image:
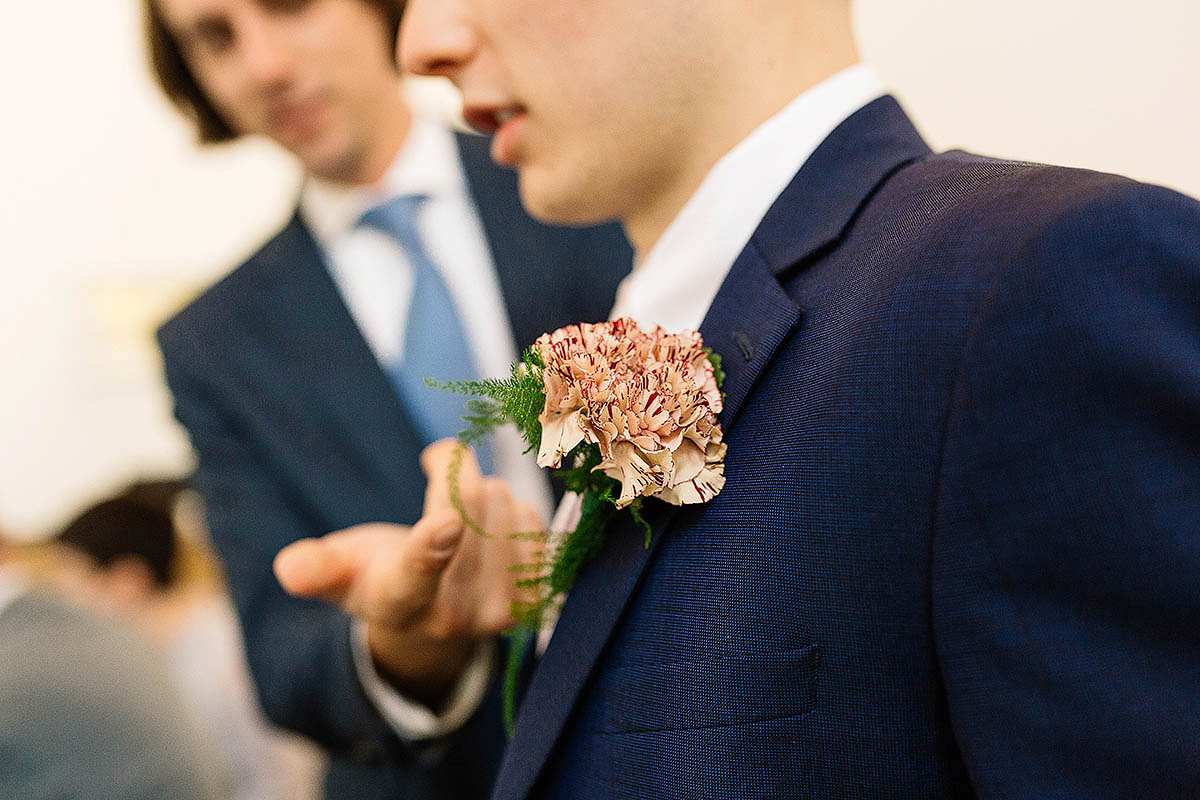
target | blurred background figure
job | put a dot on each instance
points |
(300, 375)
(129, 555)
(87, 709)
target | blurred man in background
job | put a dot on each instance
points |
(299, 376)
(127, 554)
(87, 710)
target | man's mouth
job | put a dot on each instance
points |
(489, 119)
(505, 124)
(298, 119)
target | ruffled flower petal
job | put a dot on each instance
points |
(560, 433)
(647, 399)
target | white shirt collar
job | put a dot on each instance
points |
(12, 586)
(427, 165)
(677, 280)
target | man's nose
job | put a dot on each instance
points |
(434, 39)
(265, 53)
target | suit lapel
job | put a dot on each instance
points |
(752, 314)
(751, 317)
(827, 193)
(745, 341)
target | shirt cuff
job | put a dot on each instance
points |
(413, 721)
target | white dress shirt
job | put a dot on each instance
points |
(375, 278)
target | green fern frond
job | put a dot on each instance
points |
(518, 398)
(714, 358)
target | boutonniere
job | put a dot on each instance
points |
(621, 415)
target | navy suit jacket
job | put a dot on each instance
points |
(299, 432)
(958, 550)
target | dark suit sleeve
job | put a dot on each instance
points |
(1067, 530)
(298, 650)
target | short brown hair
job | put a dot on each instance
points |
(137, 523)
(175, 77)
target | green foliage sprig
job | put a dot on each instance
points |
(497, 401)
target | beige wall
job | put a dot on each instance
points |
(1105, 84)
(110, 217)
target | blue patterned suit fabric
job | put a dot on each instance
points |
(435, 342)
(958, 551)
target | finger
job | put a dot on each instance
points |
(528, 551)
(527, 520)
(513, 555)
(495, 503)
(328, 567)
(529, 539)
(434, 540)
(311, 568)
(437, 460)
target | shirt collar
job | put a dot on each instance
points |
(12, 586)
(677, 280)
(427, 165)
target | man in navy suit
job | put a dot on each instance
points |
(281, 371)
(957, 551)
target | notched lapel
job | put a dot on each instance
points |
(752, 314)
(749, 319)
(828, 192)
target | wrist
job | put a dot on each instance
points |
(420, 667)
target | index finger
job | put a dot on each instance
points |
(377, 571)
(327, 566)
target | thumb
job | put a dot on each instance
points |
(403, 582)
(438, 460)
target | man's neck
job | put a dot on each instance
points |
(389, 134)
(794, 57)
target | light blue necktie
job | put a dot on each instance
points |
(435, 344)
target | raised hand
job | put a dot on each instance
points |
(430, 593)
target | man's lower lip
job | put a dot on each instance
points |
(506, 140)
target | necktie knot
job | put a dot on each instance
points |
(397, 217)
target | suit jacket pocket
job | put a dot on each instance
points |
(730, 690)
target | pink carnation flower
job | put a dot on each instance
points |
(649, 400)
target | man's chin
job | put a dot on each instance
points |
(561, 206)
(332, 161)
